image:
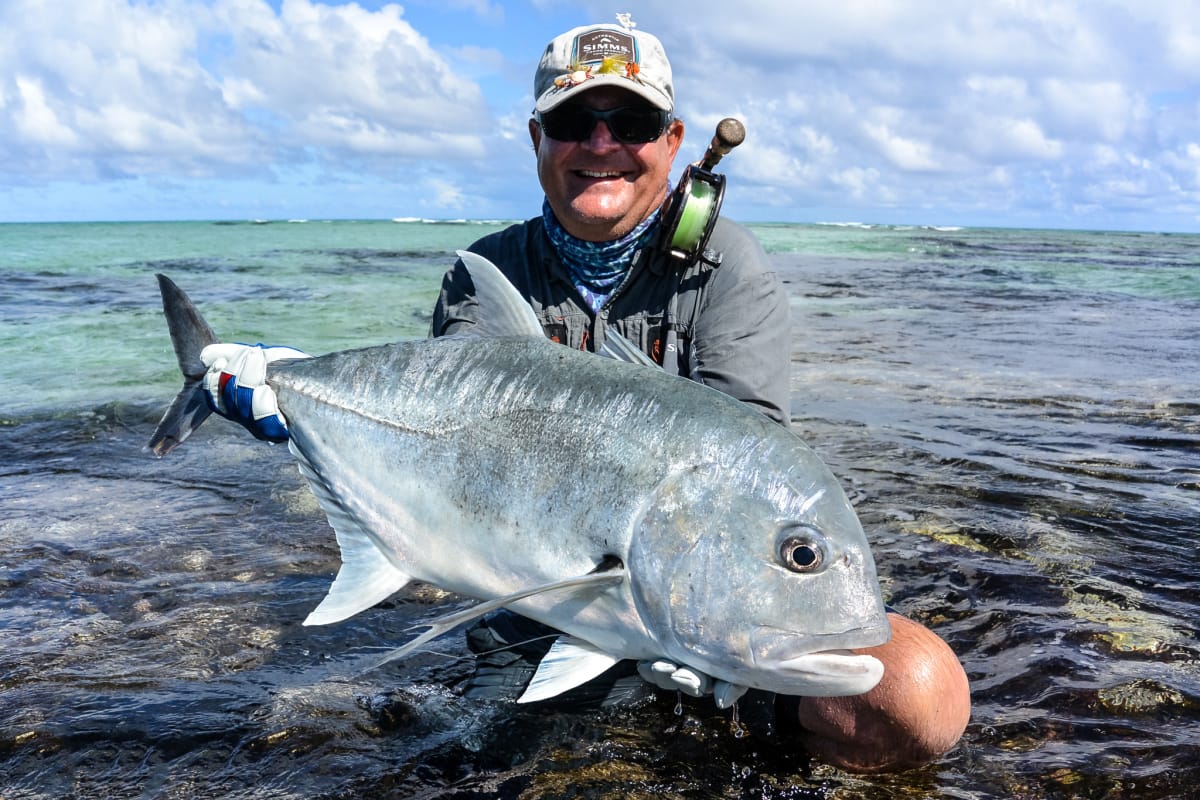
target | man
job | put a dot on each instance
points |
(605, 136)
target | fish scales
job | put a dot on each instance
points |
(452, 424)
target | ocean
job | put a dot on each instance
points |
(1015, 414)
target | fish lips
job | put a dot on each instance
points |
(830, 673)
(799, 667)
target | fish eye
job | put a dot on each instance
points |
(802, 550)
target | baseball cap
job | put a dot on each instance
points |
(603, 55)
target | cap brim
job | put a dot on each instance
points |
(555, 96)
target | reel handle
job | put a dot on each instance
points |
(730, 133)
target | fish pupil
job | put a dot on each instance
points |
(804, 556)
(800, 554)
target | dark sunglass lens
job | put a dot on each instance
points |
(635, 126)
(568, 124)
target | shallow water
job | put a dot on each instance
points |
(1016, 415)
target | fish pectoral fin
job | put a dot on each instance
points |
(569, 663)
(367, 577)
(448, 622)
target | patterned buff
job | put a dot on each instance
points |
(597, 268)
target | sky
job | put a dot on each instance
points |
(1000, 113)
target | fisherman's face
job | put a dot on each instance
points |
(601, 189)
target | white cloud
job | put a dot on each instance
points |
(861, 184)
(1183, 47)
(359, 69)
(957, 105)
(36, 120)
(904, 152)
(92, 91)
(444, 194)
(1009, 139)
(1184, 165)
(1091, 110)
(183, 88)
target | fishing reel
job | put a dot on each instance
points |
(695, 203)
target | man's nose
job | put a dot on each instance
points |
(601, 137)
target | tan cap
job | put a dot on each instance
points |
(603, 55)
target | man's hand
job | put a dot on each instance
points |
(235, 386)
(671, 676)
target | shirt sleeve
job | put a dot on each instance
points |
(456, 307)
(742, 337)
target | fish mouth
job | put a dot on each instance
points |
(828, 673)
(822, 665)
(770, 643)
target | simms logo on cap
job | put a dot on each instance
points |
(602, 44)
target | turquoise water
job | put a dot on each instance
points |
(1016, 415)
(80, 306)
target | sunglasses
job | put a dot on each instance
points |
(575, 123)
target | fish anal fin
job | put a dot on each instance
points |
(569, 663)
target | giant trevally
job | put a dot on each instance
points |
(642, 514)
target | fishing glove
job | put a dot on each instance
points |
(235, 386)
(670, 676)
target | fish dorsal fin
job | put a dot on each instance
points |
(366, 576)
(504, 311)
(569, 663)
(448, 622)
(618, 347)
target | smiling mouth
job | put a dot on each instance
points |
(594, 174)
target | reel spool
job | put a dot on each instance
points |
(695, 204)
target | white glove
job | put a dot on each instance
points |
(671, 676)
(235, 386)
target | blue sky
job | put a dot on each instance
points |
(1023, 113)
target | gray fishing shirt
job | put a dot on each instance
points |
(722, 321)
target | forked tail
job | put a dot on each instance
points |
(189, 334)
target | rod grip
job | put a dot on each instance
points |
(730, 133)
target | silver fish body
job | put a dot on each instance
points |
(487, 464)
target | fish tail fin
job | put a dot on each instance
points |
(189, 334)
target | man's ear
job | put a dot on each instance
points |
(675, 136)
(535, 134)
